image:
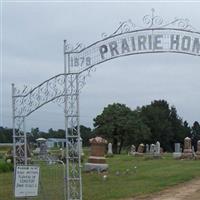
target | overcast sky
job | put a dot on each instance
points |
(33, 35)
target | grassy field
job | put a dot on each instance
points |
(135, 176)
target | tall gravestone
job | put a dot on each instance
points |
(97, 160)
(133, 150)
(43, 150)
(198, 150)
(147, 148)
(178, 152)
(110, 152)
(81, 147)
(140, 151)
(152, 149)
(157, 150)
(187, 152)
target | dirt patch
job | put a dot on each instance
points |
(186, 191)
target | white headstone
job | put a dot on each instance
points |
(81, 147)
(157, 150)
(133, 150)
(177, 147)
(147, 148)
(178, 151)
(110, 152)
(152, 149)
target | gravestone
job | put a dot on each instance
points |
(97, 160)
(198, 150)
(43, 150)
(193, 152)
(81, 147)
(140, 151)
(157, 150)
(147, 148)
(187, 152)
(152, 149)
(118, 147)
(133, 150)
(110, 152)
(161, 151)
(178, 152)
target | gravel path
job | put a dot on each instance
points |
(186, 191)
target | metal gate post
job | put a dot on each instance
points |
(72, 131)
(19, 134)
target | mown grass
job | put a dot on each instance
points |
(149, 176)
(135, 176)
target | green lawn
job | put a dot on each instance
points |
(148, 176)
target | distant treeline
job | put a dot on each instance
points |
(6, 134)
(123, 127)
(147, 124)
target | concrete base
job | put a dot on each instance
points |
(157, 156)
(132, 153)
(177, 155)
(187, 156)
(139, 154)
(198, 155)
(95, 167)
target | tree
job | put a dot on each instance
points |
(195, 133)
(86, 134)
(136, 130)
(6, 135)
(179, 128)
(112, 124)
(156, 117)
(165, 124)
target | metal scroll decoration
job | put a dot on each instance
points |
(151, 21)
(27, 101)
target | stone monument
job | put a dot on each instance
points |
(81, 147)
(198, 150)
(110, 152)
(187, 152)
(152, 149)
(133, 150)
(157, 150)
(43, 149)
(140, 151)
(97, 160)
(147, 148)
(177, 154)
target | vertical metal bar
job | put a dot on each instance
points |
(14, 134)
(78, 133)
(65, 61)
(25, 141)
(66, 123)
(13, 122)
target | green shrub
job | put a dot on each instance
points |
(1, 156)
(6, 167)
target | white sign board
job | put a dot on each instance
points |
(26, 181)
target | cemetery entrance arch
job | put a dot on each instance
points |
(155, 36)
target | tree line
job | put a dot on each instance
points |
(123, 127)
(6, 135)
(147, 124)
